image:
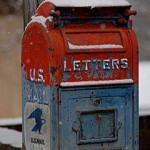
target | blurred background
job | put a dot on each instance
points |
(11, 30)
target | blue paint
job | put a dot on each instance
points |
(66, 76)
(98, 125)
(94, 64)
(78, 75)
(93, 127)
(89, 74)
(37, 115)
(96, 74)
(129, 73)
(73, 115)
(35, 92)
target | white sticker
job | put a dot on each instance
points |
(37, 126)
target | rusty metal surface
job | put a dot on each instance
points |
(80, 80)
(107, 122)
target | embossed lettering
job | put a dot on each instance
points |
(36, 75)
(124, 63)
(86, 62)
(65, 66)
(106, 64)
(97, 64)
(115, 63)
(76, 65)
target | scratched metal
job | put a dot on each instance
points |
(74, 47)
(38, 96)
(109, 121)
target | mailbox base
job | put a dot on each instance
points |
(98, 117)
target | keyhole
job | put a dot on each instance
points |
(97, 102)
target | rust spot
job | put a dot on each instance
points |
(98, 118)
(51, 48)
(53, 70)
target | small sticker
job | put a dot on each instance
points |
(37, 126)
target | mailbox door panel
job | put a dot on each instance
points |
(96, 118)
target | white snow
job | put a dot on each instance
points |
(40, 19)
(10, 121)
(89, 3)
(89, 83)
(11, 137)
(144, 88)
(101, 46)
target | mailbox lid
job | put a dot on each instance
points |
(95, 54)
(95, 41)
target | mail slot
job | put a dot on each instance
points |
(80, 77)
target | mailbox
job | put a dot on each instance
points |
(80, 77)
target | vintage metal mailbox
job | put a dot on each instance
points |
(80, 77)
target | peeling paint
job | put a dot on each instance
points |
(79, 81)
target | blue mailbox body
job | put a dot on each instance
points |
(80, 78)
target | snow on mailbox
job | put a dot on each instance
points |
(80, 77)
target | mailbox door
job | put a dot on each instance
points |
(96, 118)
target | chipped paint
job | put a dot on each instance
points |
(96, 64)
(79, 81)
(95, 68)
(93, 124)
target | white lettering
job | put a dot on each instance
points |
(76, 65)
(124, 63)
(36, 75)
(65, 66)
(115, 63)
(86, 62)
(106, 64)
(32, 74)
(40, 75)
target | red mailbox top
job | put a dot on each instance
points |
(80, 46)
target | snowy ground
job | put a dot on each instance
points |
(10, 137)
(10, 121)
(144, 89)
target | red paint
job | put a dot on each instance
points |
(46, 48)
(128, 12)
(35, 50)
(45, 9)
